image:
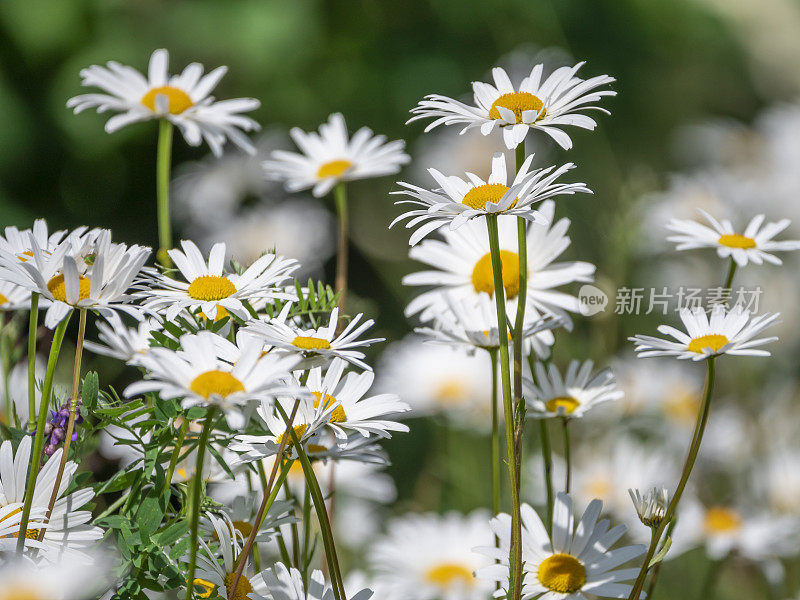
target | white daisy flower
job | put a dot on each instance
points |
(722, 529)
(68, 533)
(651, 507)
(69, 579)
(123, 342)
(210, 370)
(80, 272)
(456, 201)
(351, 411)
(577, 563)
(210, 576)
(776, 478)
(209, 288)
(547, 105)
(472, 323)
(287, 584)
(724, 332)
(447, 381)
(573, 395)
(755, 244)
(463, 264)
(331, 156)
(316, 344)
(10, 521)
(184, 100)
(18, 244)
(429, 557)
(14, 297)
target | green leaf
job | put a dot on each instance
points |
(90, 391)
(661, 553)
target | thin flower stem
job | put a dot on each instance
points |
(176, 452)
(340, 199)
(567, 454)
(73, 409)
(271, 487)
(194, 523)
(495, 441)
(322, 517)
(515, 556)
(657, 569)
(691, 457)
(729, 277)
(38, 440)
(32, 329)
(163, 162)
(306, 534)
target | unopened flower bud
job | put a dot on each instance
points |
(652, 506)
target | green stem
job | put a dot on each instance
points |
(515, 555)
(729, 277)
(691, 457)
(567, 454)
(73, 409)
(32, 329)
(38, 440)
(194, 523)
(657, 569)
(114, 506)
(306, 534)
(176, 452)
(163, 161)
(495, 440)
(340, 198)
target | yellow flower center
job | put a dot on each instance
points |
(334, 168)
(243, 587)
(719, 519)
(305, 342)
(3, 299)
(179, 100)
(568, 403)
(215, 383)
(681, 405)
(337, 416)
(31, 534)
(598, 488)
(203, 588)
(221, 314)
(59, 290)
(478, 196)
(26, 253)
(715, 341)
(734, 240)
(210, 287)
(451, 391)
(562, 573)
(242, 527)
(447, 575)
(299, 430)
(483, 276)
(518, 102)
(20, 592)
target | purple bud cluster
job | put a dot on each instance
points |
(56, 427)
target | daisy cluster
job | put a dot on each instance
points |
(249, 432)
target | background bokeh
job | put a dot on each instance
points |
(704, 117)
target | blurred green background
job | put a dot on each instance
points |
(676, 62)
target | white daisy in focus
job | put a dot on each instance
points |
(721, 529)
(755, 244)
(547, 105)
(92, 273)
(184, 100)
(317, 345)
(210, 370)
(281, 583)
(724, 332)
(68, 533)
(455, 201)
(429, 557)
(209, 288)
(212, 577)
(68, 579)
(651, 506)
(331, 156)
(463, 264)
(10, 522)
(578, 391)
(577, 563)
(123, 342)
(447, 381)
(472, 323)
(17, 243)
(352, 412)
